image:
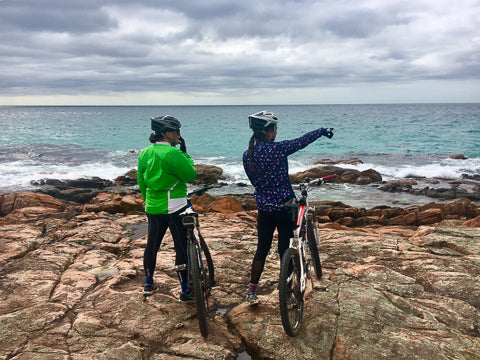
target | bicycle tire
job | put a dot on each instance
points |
(208, 257)
(198, 288)
(289, 288)
(312, 245)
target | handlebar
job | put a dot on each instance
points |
(318, 181)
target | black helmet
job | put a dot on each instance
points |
(261, 120)
(165, 123)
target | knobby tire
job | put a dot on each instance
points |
(312, 246)
(208, 258)
(198, 289)
(291, 318)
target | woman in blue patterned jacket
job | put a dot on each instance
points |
(266, 165)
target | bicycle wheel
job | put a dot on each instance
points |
(208, 257)
(198, 288)
(290, 294)
(312, 245)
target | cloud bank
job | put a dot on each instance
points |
(150, 52)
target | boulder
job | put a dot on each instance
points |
(429, 213)
(225, 205)
(351, 161)
(351, 176)
(315, 173)
(129, 179)
(115, 203)
(458, 157)
(201, 204)
(208, 174)
(94, 182)
(13, 201)
(430, 216)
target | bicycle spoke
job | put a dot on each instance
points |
(290, 294)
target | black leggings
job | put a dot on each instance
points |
(157, 226)
(267, 222)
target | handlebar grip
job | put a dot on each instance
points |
(329, 177)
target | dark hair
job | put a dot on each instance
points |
(155, 137)
(257, 137)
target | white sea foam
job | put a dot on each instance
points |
(18, 175)
(445, 168)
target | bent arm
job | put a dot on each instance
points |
(182, 166)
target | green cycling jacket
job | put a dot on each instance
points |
(163, 173)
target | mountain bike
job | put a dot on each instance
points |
(295, 265)
(201, 276)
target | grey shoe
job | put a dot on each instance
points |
(149, 289)
(185, 297)
(252, 299)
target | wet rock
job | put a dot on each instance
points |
(351, 161)
(92, 183)
(351, 176)
(458, 157)
(208, 174)
(129, 179)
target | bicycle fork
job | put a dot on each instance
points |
(301, 254)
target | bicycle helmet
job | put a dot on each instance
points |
(165, 123)
(262, 119)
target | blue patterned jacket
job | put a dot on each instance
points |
(271, 181)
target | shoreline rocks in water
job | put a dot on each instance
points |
(71, 278)
(210, 176)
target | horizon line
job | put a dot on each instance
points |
(306, 104)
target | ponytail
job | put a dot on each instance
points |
(154, 137)
(257, 136)
(251, 146)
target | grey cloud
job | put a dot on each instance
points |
(66, 47)
(55, 17)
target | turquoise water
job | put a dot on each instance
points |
(223, 131)
(398, 140)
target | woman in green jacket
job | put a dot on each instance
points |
(163, 173)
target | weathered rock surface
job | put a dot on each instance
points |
(70, 288)
(350, 176)
(430, 213)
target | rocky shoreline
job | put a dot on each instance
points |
(399, 283)
(210, 176)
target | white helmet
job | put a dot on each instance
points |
(262, 119)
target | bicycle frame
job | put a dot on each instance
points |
(295, 266)
(200, 267)
(197, 278)
(299, 240)
(299, 235)
(190, 221)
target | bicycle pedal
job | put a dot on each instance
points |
(218, 287)
(321, 288)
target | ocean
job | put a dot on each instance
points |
(397, 140)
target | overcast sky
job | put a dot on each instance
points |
(61, 52)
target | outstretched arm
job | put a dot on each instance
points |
(288, 147)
